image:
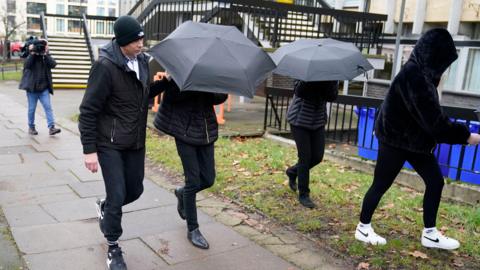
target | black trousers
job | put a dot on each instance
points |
(390, 162)
(199, 169)
(123, 172)
(310, 148)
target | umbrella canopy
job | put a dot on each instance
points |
(213, 58)
(320, 60)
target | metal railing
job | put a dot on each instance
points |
(88, 39)
(268, 23)
(352, 119)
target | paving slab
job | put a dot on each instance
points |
(72, 210)
(27, 215)
(34, 181)
(58, 236)
(37, 196)
(155, 221)
(25, 169)
(174, 247)
(245, 258)
(89, 189)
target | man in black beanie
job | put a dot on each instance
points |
(112, 124)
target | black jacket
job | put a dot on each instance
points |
(308, 108)
(188, 116)
(37, 73)
(113, 112)
(411, 117)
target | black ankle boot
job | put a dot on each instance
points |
(180, 208)
(32, 131)
(292, 180)
(197, 239)
(306, 201)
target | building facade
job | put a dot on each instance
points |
(27, 13)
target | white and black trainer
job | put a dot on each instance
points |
(99, 207)
(432, 238)
(115, 259)
(365, 233)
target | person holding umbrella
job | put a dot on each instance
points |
(205, 62)
(318, 65)
(189, 117)
(307, 116)
(409, 125)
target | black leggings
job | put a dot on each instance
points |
(199, 168)
(390, 162)
(310, 148)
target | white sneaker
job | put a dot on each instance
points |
(432, 238)
(366, 234)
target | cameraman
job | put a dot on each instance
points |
(37, 81)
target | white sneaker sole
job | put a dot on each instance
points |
(430, 244)
(367, 240)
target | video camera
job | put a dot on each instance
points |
(39, 46)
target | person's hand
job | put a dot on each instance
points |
(474, 139)
(91, 162)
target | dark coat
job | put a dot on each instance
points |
(113, 112)
(308, 108)
(188, 116)
(411, 117)
(37, 73)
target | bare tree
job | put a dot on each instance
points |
(10, 28)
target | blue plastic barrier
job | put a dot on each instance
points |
(469, 172)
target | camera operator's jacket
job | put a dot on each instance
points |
(37, 73)
(113, 112)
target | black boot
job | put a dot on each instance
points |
(180, 208)
(197, 239)
(292, 180)
(32, 131)
(306, 201)
(53, 130)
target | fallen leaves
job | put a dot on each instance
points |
(418, 254)
(363, 266)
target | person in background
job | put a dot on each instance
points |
(409, 125)
(307, 116)
(37, 82)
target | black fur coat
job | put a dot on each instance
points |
(411, 117)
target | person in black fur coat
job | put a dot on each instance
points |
(307, 116)
(189, 117)
(409, 125)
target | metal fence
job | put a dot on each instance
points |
(269, 24)
(352, 120)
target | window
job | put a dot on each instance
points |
(450, 76)
(74, 26)
(33, 23)
(11, 6)
(100, 11)
(472, 75)
(76, 10)
(109, 28)
(112, 2)
(100, 28)
(11, 20)
(111, 12)
(60, 9)
(36, 8)
(60, 25)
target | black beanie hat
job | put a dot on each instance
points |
(127, 29)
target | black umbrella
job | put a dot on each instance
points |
(320, 60)
(213, 58)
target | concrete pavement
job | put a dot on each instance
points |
(48, 200)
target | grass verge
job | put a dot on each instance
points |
(252, 172)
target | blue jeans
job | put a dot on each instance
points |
(44, 98)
